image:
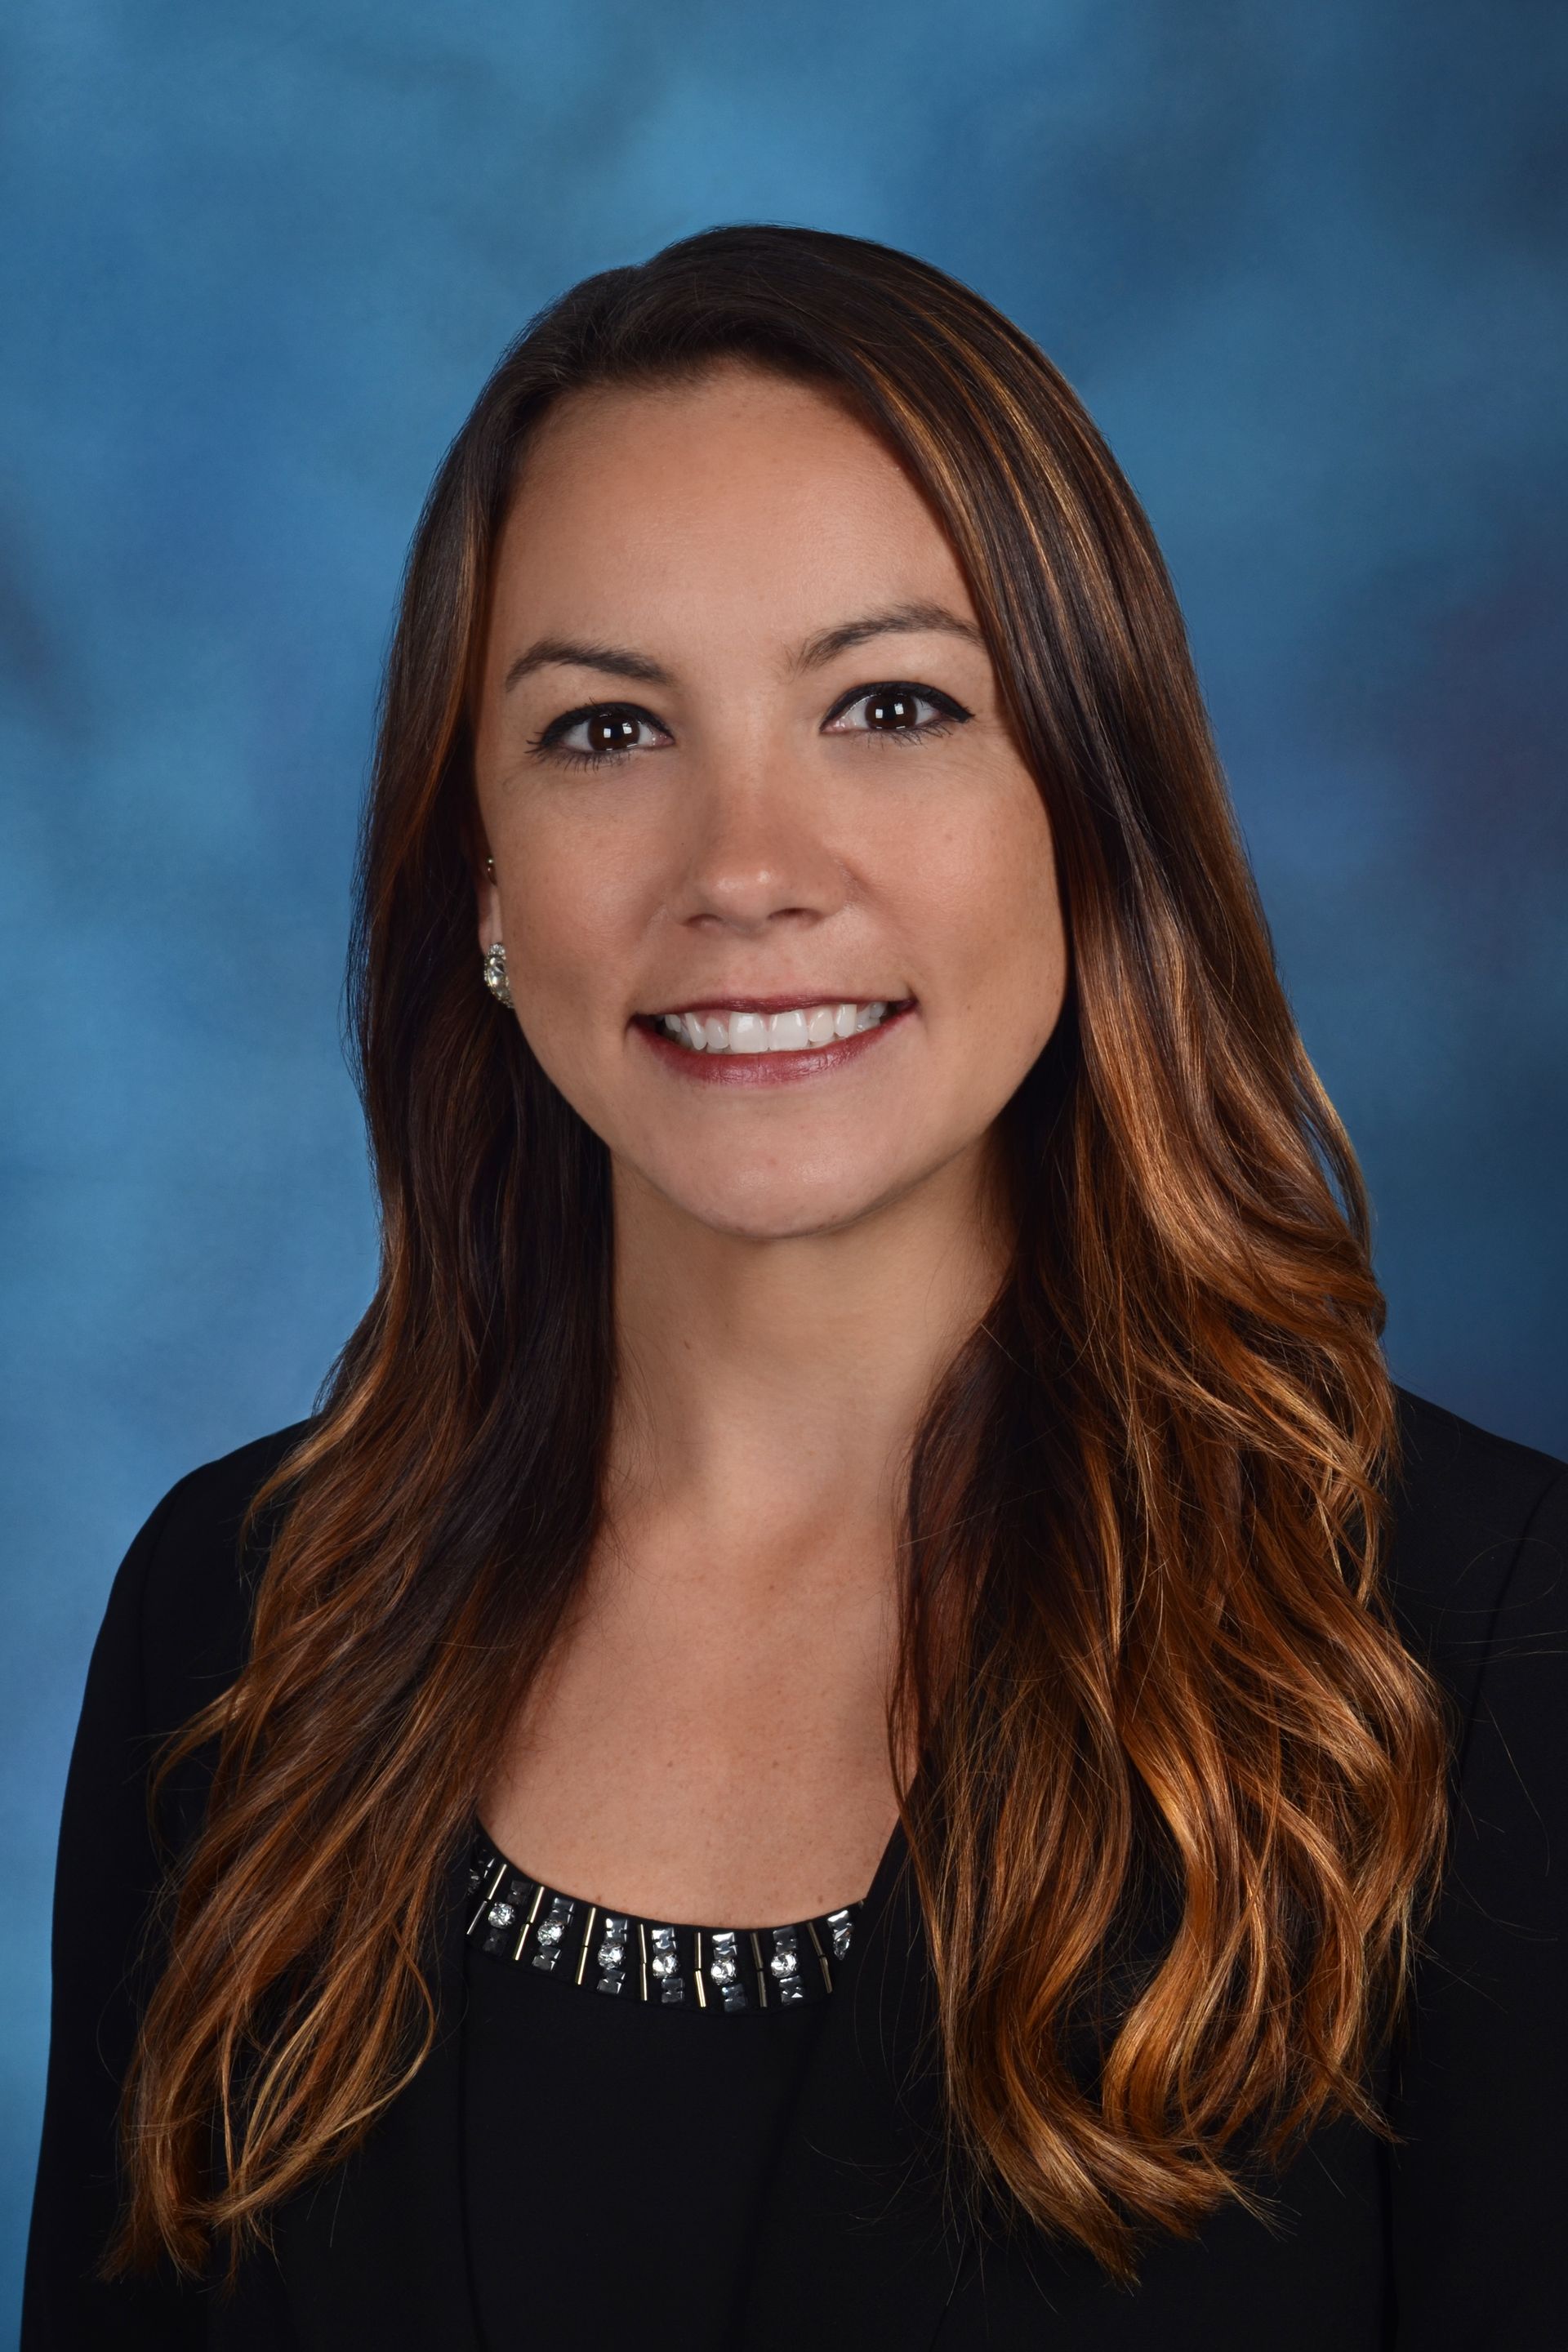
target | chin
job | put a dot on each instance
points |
(767, 1204)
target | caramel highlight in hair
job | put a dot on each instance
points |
(1146, 1660)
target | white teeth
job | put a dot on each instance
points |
(791, 1032)
(748, 1032)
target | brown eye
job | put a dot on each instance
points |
(596, 734)
(897, 712)
(610, 731)
(893, 707)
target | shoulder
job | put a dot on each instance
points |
(1479, 1576)
(1478, 1544)
(174, 1635)
(182, 1596)
(1459, 1477)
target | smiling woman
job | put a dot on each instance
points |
(862, 1717)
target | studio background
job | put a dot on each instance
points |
(1305, 266)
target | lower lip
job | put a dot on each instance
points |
(767, 1069)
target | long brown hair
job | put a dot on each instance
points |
(1143, 1632)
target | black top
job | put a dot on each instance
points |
(1451, 2243)
(640, 2072)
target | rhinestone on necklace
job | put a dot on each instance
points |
(728, 1968)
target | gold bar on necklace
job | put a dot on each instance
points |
(642, 1951)
(701, 1995)
(583, 1955)
(762, 1981)
(533, 1914)
(489, 1896)
(821, 1957)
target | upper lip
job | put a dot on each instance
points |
(794, 1004)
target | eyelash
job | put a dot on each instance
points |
(548, 743)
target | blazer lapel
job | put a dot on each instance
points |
(375, 2251)
(853, 2246)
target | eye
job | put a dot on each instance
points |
(897, 711)
(609, 730)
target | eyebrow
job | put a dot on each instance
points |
(911, 619)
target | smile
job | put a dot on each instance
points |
(793, 1031)
(764, 1042)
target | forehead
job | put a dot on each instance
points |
(742, 493)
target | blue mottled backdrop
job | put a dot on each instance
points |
(1306, 264)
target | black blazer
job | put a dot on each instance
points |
(1452, 2242)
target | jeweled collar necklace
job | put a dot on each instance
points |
(726, 1969)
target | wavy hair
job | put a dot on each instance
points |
(1145, 1643)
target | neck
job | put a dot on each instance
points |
(774, 1386)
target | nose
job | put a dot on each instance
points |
(758, 854)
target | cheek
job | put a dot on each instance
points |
(570, 919)
(557, 971)
(993, 901)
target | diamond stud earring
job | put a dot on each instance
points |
(495, 973)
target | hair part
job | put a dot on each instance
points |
(1146, 1654)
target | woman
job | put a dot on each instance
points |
(862, 1719)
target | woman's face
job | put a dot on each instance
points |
(744, 773)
